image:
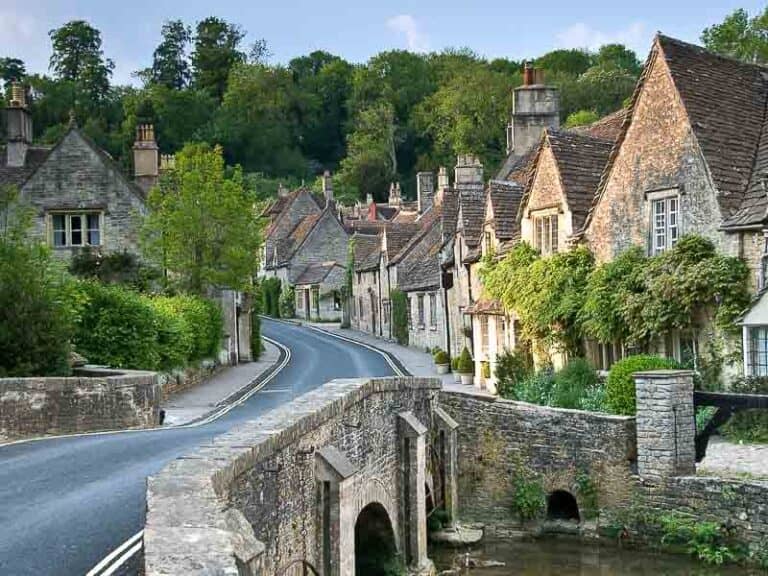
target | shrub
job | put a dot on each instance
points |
(511, 368)
(441, 357)
(572, 384)
(466, 365)
(620, 386)
(175, 339)
(270, 297)
(288, 302)
(113, 268)
(201, 323)
(256, 345)
(535, 388)
(455, 363)
(400, 317)
(528, 498)
(117, 328)
(749, 426)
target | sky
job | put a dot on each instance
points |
(357, 30)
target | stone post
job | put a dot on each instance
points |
(448, 447)
(666, 429)
(413, 469)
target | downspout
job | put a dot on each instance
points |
(389, 292)
(446, 319)
(381, 309)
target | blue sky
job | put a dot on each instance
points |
(358, 29)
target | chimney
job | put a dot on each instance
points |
(327, 187)
(145, 157)
(468, 172)
(167, 162)
(19, 122)
(425, 190)
(443, 183)
(282, 190)
(535, 107)
(369, 199)
(395, 196)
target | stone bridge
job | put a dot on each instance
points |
(339, 477)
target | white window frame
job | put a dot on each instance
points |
(546, 231)
(85, 229)
(420, 310)
(664, 220)
(432, 311)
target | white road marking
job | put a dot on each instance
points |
(134, 540)
(383, 354)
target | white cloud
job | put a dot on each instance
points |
(581, 35)
(406, 25)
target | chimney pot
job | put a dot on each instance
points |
(528, 74)
(327, 187)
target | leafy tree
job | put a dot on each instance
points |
(581, 118)
(617, 56)
(371, 163)
(569, 61)
(201, 226)
(740, 36)
(170, 67)
(216, 52)
(78, 58)
(11, 69)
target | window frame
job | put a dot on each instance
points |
(664, 224)
(420, 309)
(85, 229)
(546, 231)
(432, 311)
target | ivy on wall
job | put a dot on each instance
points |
(400, 317)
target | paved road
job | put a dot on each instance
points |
(65, 503)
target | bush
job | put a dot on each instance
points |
(113, 268)
(174, 337)
(270, 297)
(201, 325)
(466, 365)
(256, 345)
(620, 386)
(535, 388)
(573, 383)
(749, 426)
(511, 368)
(441, 357)
(288, 302)
(455, 363)
(528, 499)
(400, 317)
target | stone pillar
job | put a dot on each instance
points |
(334, 475)
(244, 328)
(413, 469)
(447, 447)
(666, 429)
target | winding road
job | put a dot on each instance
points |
(65, 503)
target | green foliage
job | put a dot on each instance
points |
(169, 62)
(441, 357)
(528, 497)
(466, 365)
(216, 51)
(270, 296)
(573, 383)
(620, 386)
(568, 61)
(485, 369)
(588, 494)
(399, 316)
(455, 364)
(201, 225)
(113, 268)
(740, 36)
(581, 118)
(512, 367)
(288, 302)
(747, 426)
(575, 386)
(707, 541)
(38, 303)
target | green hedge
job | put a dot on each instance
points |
(400, 317)
(122, 328)
(270, 297)
(620, 386)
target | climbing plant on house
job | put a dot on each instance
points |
(400, 317)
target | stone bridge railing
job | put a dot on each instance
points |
(288, 487)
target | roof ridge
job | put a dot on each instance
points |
(710, 53)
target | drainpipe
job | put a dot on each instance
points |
(446, 318)
(389, 292)
(381, 309)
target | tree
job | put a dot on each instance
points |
(568, 61)
(201, 225)
(215, 53)
(78, 58)
(581, 118)
(617, 56)
(169, 62)
(740, 36)
(371, 164)
(11, 69)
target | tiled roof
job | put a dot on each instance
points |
(505, 199)
(315, 273)
(516, 168)
(754, 206)
(581, 160)
(427, 220)
(449, 213)
(472, 210)
(10, 176)
(484, 307)
(367, 252)
(398, 236)
(606, 128)
(421, 268)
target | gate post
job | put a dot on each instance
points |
(666, 428)
(448, 446)
(413, 470)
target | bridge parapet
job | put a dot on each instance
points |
(252, 502)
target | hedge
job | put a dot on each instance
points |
(122, 328)
(620, 385)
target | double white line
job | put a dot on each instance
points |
(128, 549)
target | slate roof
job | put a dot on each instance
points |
(316, 273)
(421, 268)
(472, 209)
(516, 167)
(754, 206)
(367, 252)
(429, 219)
(17, 177)
(505, 197)
(449, 213)
(485, 306)
(398, 235)
(606, 128)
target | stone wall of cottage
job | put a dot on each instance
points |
(426, 335)
(94, 399)
(365, 291)
(327, 242)
(659, 152)
(75, 177)
(546, 194)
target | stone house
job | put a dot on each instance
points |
(690, 158)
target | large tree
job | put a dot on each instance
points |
(78, 58)
(170, 67)
(216, 52)
(201, 225)
(740, 36)
(11, 69)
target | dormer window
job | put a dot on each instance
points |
(545, 233)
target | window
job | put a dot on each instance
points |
(487, 243)
(432, 311)
(385, 318)
(421, 310)
(545, 233)
(299, 299)
(665, 223)
(75, 229)
(758, 351)
(336, 300)
(484, 336)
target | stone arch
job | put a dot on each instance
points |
(375, 548)
(562, 505)
(374, 491)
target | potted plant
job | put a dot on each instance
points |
(455, 369)
(442, 361)
(466, 367)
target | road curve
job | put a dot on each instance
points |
(65, 503)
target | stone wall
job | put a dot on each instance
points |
(499, 439)
(184, 379)
(427, 336)
(248, 502)
(328, 241)
(95, 399)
